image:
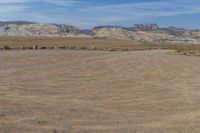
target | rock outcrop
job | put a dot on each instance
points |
(139, 32)
(149, 33)
(36, 29)
(124, 34)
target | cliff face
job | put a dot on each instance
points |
(139, 32)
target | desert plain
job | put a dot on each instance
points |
(86, 91)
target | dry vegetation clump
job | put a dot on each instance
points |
(189, 50)
(6, 47)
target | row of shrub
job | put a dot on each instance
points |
(35, 47)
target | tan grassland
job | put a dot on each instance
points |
(86, 91)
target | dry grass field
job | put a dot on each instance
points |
(99, 44)
(69, 91)
(69, 43)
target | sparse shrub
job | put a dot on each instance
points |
(184, 53)
(30, 47)
(62, 47)
(7, 47)
(43, 47)
(83, 48)
(22, 47)
(50, 48)
(111, 50)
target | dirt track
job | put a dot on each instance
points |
(62, 91)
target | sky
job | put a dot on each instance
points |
(89, 13)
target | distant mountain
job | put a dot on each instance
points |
(145, 27)
(138, 32)
(16, 22)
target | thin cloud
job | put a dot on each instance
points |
(16, 6)
(69, 11)
(57, 2)
(11, 1)
(62, 2)
(121, 12)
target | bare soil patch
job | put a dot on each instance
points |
(64, 91)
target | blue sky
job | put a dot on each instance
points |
(89, 13)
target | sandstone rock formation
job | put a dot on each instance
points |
(139, 32)
(36, 29)
(149, 33)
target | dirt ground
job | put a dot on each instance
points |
(63, 91)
